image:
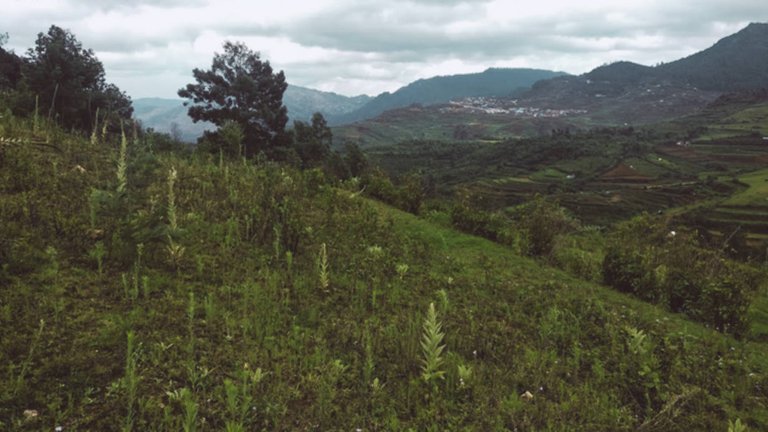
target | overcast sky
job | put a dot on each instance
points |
(149, 47)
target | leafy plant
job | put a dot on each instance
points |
(322, 267)
(736, 426)
(122, 163)
(130, 381)
(432, 347)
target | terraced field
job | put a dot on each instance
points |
(744, 213)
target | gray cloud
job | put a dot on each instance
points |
(123, 5)
(366, 45)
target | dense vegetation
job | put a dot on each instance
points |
(60, 79)
(176, 292)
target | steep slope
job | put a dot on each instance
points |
(625, 92)
(286, 304)
(302, 102)
(736, 62)
(492, 82)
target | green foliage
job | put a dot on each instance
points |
(650, 260)
(240, 87)
(407, 196)
(541, 223)
(531, 348)
(322, 267)
(10, 66)
(122, 164)
(432, 347)
(130, 381)
(355, 159)
(736, 426)
(70, 80)
(227, 140)
(312, 141)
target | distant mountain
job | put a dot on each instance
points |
(615, 94)
(736, 62)
(160, 114)
(625, 92)
(441, 89)
(301, 102)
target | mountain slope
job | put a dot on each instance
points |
(162, 114)
(736, 62)
(302, 102)
(316, 325)
(629, 92)
(492, 82)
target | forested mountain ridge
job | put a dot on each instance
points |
(441, 89)
(736, 62)
(616, 94)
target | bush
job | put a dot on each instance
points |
(492, 226)
(541, 223)
(649, 260)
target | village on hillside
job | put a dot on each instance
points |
(495, 105)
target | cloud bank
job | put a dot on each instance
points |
(149, 47)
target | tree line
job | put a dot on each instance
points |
(60, 79)
(240, 93)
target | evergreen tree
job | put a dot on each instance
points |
(69, 81)
(312, 141)
(10, 66)
(240, 87)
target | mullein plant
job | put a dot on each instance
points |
(432, 347)
(104, 128)
(322, 267)
(736, 426)
(190, 408)
(175, 250)
(122, 164)
(94, 133)
(131, 380)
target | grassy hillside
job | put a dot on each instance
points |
(171, 292)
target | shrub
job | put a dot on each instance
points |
(649, 260)
(541, 223)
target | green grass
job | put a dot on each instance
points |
(237, 325)
(759, 316)
(756, 192)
